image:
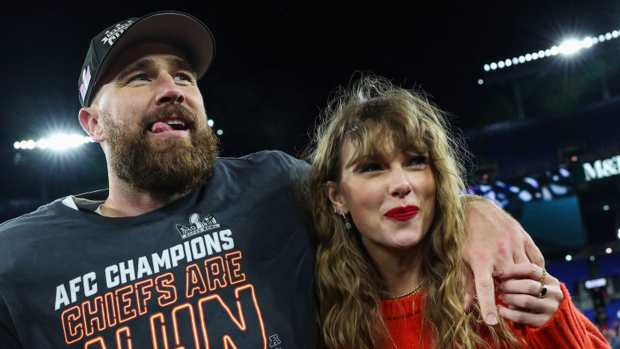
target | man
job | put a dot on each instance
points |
(183, 250)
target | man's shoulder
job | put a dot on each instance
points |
(44, 215)
(268, 170)
(261, 157)
(268, 159)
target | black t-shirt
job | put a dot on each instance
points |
(227, 266)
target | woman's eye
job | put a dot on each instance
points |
(418, 160)
(370, 167)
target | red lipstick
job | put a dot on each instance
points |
(403, 213)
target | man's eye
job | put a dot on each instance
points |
(183, 77)
(369, 167)
(138, 77)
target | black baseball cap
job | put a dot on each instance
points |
(176, 28)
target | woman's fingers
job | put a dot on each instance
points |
(530, 287)
(531, 304)
(528, 271)
(531, 296)
(523, 317)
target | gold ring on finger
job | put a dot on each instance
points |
(542, 277)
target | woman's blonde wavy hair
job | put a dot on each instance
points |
(374, 114)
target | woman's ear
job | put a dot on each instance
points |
(337, 199)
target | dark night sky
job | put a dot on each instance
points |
(275, 66)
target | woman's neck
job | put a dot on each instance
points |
(400, 269)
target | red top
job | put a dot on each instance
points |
(568, 328)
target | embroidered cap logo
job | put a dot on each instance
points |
(85, 81)
(113, 34)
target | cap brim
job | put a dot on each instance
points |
(178, 29)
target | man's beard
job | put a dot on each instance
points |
(170, 167)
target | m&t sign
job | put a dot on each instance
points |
(603, 168)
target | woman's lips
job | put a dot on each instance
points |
(403, 213)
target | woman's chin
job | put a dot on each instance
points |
(406, 242)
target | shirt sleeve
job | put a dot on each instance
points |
(296, 173)
(8, 335)
(297, 169)
(568, 328)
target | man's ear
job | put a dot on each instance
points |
(336, 198)
(90, 122)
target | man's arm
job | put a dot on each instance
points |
(494, 241)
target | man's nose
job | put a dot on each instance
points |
(168, 91)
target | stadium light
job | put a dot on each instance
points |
(608, 250)
(571, 46)
(567, 47)
(568, 258)
(58, 142)
(596, 283)
(558, 189)
(531, 181)
(525, 196)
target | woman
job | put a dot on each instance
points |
(386, 182)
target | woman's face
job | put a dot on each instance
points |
(390, 199)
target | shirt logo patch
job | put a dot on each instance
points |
(197, 225)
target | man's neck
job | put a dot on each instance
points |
(126, 201)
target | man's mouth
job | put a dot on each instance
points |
(171, 124)
(168, 125)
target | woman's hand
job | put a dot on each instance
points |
(532, 297)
